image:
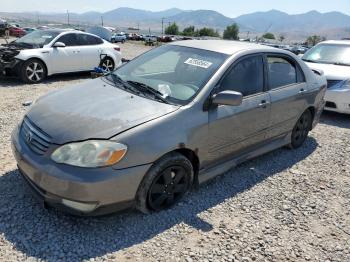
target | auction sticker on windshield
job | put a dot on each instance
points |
(198, 62)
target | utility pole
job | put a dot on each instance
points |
(162, 26)
(37, 16)
(102, 20)
(67, 17)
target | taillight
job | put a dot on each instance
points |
(117, 49)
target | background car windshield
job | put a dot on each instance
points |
(177, 72)
(38, 38)
(327, 53)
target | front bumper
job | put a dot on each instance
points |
(10, 67)
(338, 100)
(106, 189)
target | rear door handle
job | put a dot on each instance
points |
(264, 104)
(302, 91)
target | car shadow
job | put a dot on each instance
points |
(39, 233)
(335, 119)
(12, 81)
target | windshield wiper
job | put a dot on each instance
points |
(310, 61)
(341, 64)
(145, 88)
(118, 82)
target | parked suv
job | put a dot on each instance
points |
(172, 118)
(118, 38)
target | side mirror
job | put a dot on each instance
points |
(59, 44)
(228, 98)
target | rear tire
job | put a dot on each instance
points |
(107, 64)
(301, 130)
(33, 71)
(165, 184)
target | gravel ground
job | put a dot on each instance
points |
(283, 206)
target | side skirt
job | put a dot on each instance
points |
(209, 173)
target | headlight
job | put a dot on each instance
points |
(346, 85)
(92, 153)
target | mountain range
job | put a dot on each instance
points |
(331, 24)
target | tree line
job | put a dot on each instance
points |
(231, 32)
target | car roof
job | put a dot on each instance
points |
(224, 46)
(337, 42)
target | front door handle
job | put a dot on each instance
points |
(264, 104)
(302, 91)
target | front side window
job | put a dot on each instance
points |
(177, 72)
(281, 72)
(246, 77)
(69, 40)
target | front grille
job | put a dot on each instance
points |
(36, 139)
(333, 82)
(331, 104)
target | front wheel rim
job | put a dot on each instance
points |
(168, 188)
(35, 72)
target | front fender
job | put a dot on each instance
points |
(184, 128)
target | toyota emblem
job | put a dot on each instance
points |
(29, 137)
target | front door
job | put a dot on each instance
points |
(68, 58)
(234, 129)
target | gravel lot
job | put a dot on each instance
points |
(283, 206)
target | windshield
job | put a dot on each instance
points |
(177, 73)
(37, 38)
(329, 54)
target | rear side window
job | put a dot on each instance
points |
(246, 77)
(89, 40)
(69, 39)
(282, 72)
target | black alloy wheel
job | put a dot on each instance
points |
(168, 188)
(301, 129)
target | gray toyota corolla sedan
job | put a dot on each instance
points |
(172, 118)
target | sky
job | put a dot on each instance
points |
(230, 8)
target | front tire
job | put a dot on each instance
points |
(33, 71)
(301, 130)
(165, 184)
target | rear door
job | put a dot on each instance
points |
(288, 90)
(90, 49)
(234, 129)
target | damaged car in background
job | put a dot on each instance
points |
(333, 59)
(168, 120)
(46, 52)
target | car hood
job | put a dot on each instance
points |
(332, 72)
(93, 110)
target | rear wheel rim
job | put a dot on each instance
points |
(35, 72)
(108, 65)
(168, 188)
(301, 129)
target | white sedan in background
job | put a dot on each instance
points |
(47, 52)
(333, 58)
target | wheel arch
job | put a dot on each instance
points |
(312, 110)
(193, 158)
(41, 60)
